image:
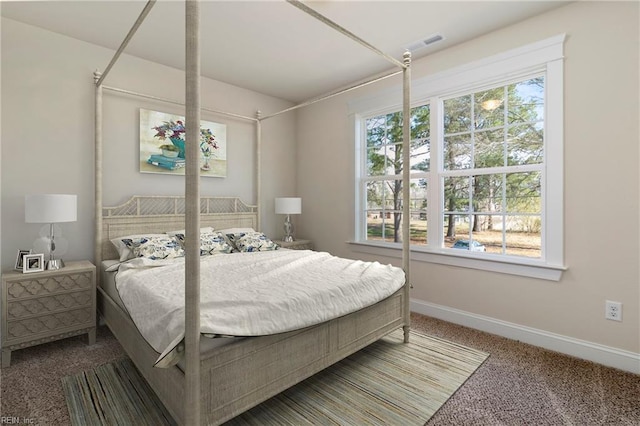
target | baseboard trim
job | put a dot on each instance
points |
(601, 354)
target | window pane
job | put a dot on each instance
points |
(420, 155)
(487, 193)
(420, 133)
(385, 195)
(489, 108)
(523, 193)
(456, 227)
(489, 149)
(380, 226)
(375, 195)
(394, 127)
(393, 194)
(420, 122)
(457, 115)
(418, 227)
(376, 131)
(384, 130)
(418, 209)
(465, 232)
(526, 101)
(418, 190)
(523, 236)
(456, 194)
(394, 159)
(525, 144)
(457, 152)
(487, 233)
(376, 161)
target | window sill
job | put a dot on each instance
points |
(485, 262)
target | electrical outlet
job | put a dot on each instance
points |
(613, 310)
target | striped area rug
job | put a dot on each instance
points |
(386, 383)
(113, 394)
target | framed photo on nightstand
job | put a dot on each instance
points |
(32, 263)
(19, 263)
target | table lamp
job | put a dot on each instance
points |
(51, 209)
(288, 206)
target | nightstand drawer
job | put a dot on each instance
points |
(24, 308)
(44, 325)
(28, 288)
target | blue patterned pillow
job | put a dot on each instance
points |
(211, 243)
(123, 251)
(154, 248)
(252, 241)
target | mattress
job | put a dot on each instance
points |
(108, 283)
(251, 294)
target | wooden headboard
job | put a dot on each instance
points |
(160, 214)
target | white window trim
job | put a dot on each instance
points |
(531, 268)
(543, 56)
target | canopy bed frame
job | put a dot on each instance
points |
(218, 384)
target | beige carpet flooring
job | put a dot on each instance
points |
(518, 385)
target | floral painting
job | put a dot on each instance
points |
(162, 145)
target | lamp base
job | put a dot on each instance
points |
(54, 264)
(288, 230)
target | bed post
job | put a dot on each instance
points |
(192, 408)
(258, 169)
(406, 194)
(97, 251)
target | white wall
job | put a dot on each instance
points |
(48, 134)
(601, 184)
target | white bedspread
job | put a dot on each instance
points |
(251, 294)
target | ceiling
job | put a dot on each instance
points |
(272, 47)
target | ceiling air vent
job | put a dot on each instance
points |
(425, 42)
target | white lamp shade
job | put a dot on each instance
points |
(288, 205)
(50, 208)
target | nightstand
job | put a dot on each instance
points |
(40, 307)
(296, 244)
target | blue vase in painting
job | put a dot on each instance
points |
(180, 144)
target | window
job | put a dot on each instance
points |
(492, 168)
(486, 165)
(383, 180)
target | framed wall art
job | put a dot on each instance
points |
(162, 138)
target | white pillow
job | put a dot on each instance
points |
(123, 251)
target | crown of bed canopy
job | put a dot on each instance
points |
(192, 199)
